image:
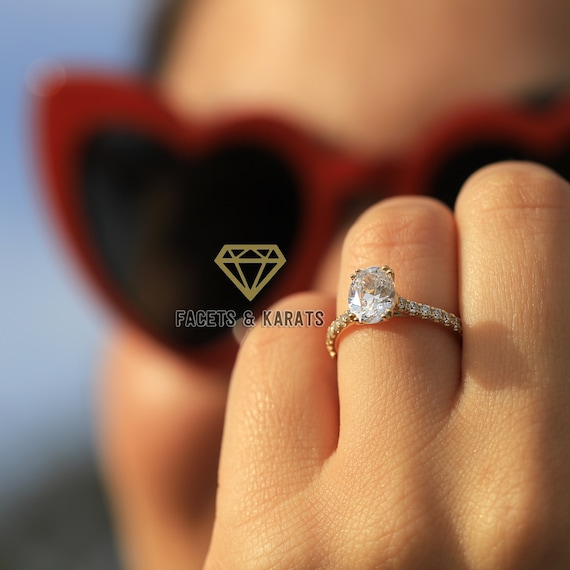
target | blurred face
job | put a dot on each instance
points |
(367, 74)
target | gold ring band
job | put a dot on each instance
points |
(373, 299)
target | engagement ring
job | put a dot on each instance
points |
(372, 298)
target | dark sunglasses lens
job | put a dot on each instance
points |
(450, 176)
(158, 219)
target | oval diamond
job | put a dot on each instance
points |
(371, 294)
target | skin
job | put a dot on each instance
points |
(413, 450)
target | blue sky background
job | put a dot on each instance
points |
(51, 326)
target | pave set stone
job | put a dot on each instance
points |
(336, 327)
(434, 314)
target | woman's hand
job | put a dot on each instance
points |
(415, 450)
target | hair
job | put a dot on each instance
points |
(161, 29)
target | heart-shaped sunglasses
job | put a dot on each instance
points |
(149, 201)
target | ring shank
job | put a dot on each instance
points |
(404, 307)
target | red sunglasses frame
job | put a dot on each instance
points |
(73, 110)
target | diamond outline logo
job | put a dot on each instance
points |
(237, 255)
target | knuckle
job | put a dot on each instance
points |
(262, 345)
(277, 330)
(404, 225)
(515, 192)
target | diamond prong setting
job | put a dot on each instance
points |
(389, 271)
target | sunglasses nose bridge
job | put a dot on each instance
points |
(341, 178)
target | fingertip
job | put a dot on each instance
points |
(296, 326)
(513, 185)
(414, 232)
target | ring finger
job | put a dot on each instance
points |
(398, 379)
